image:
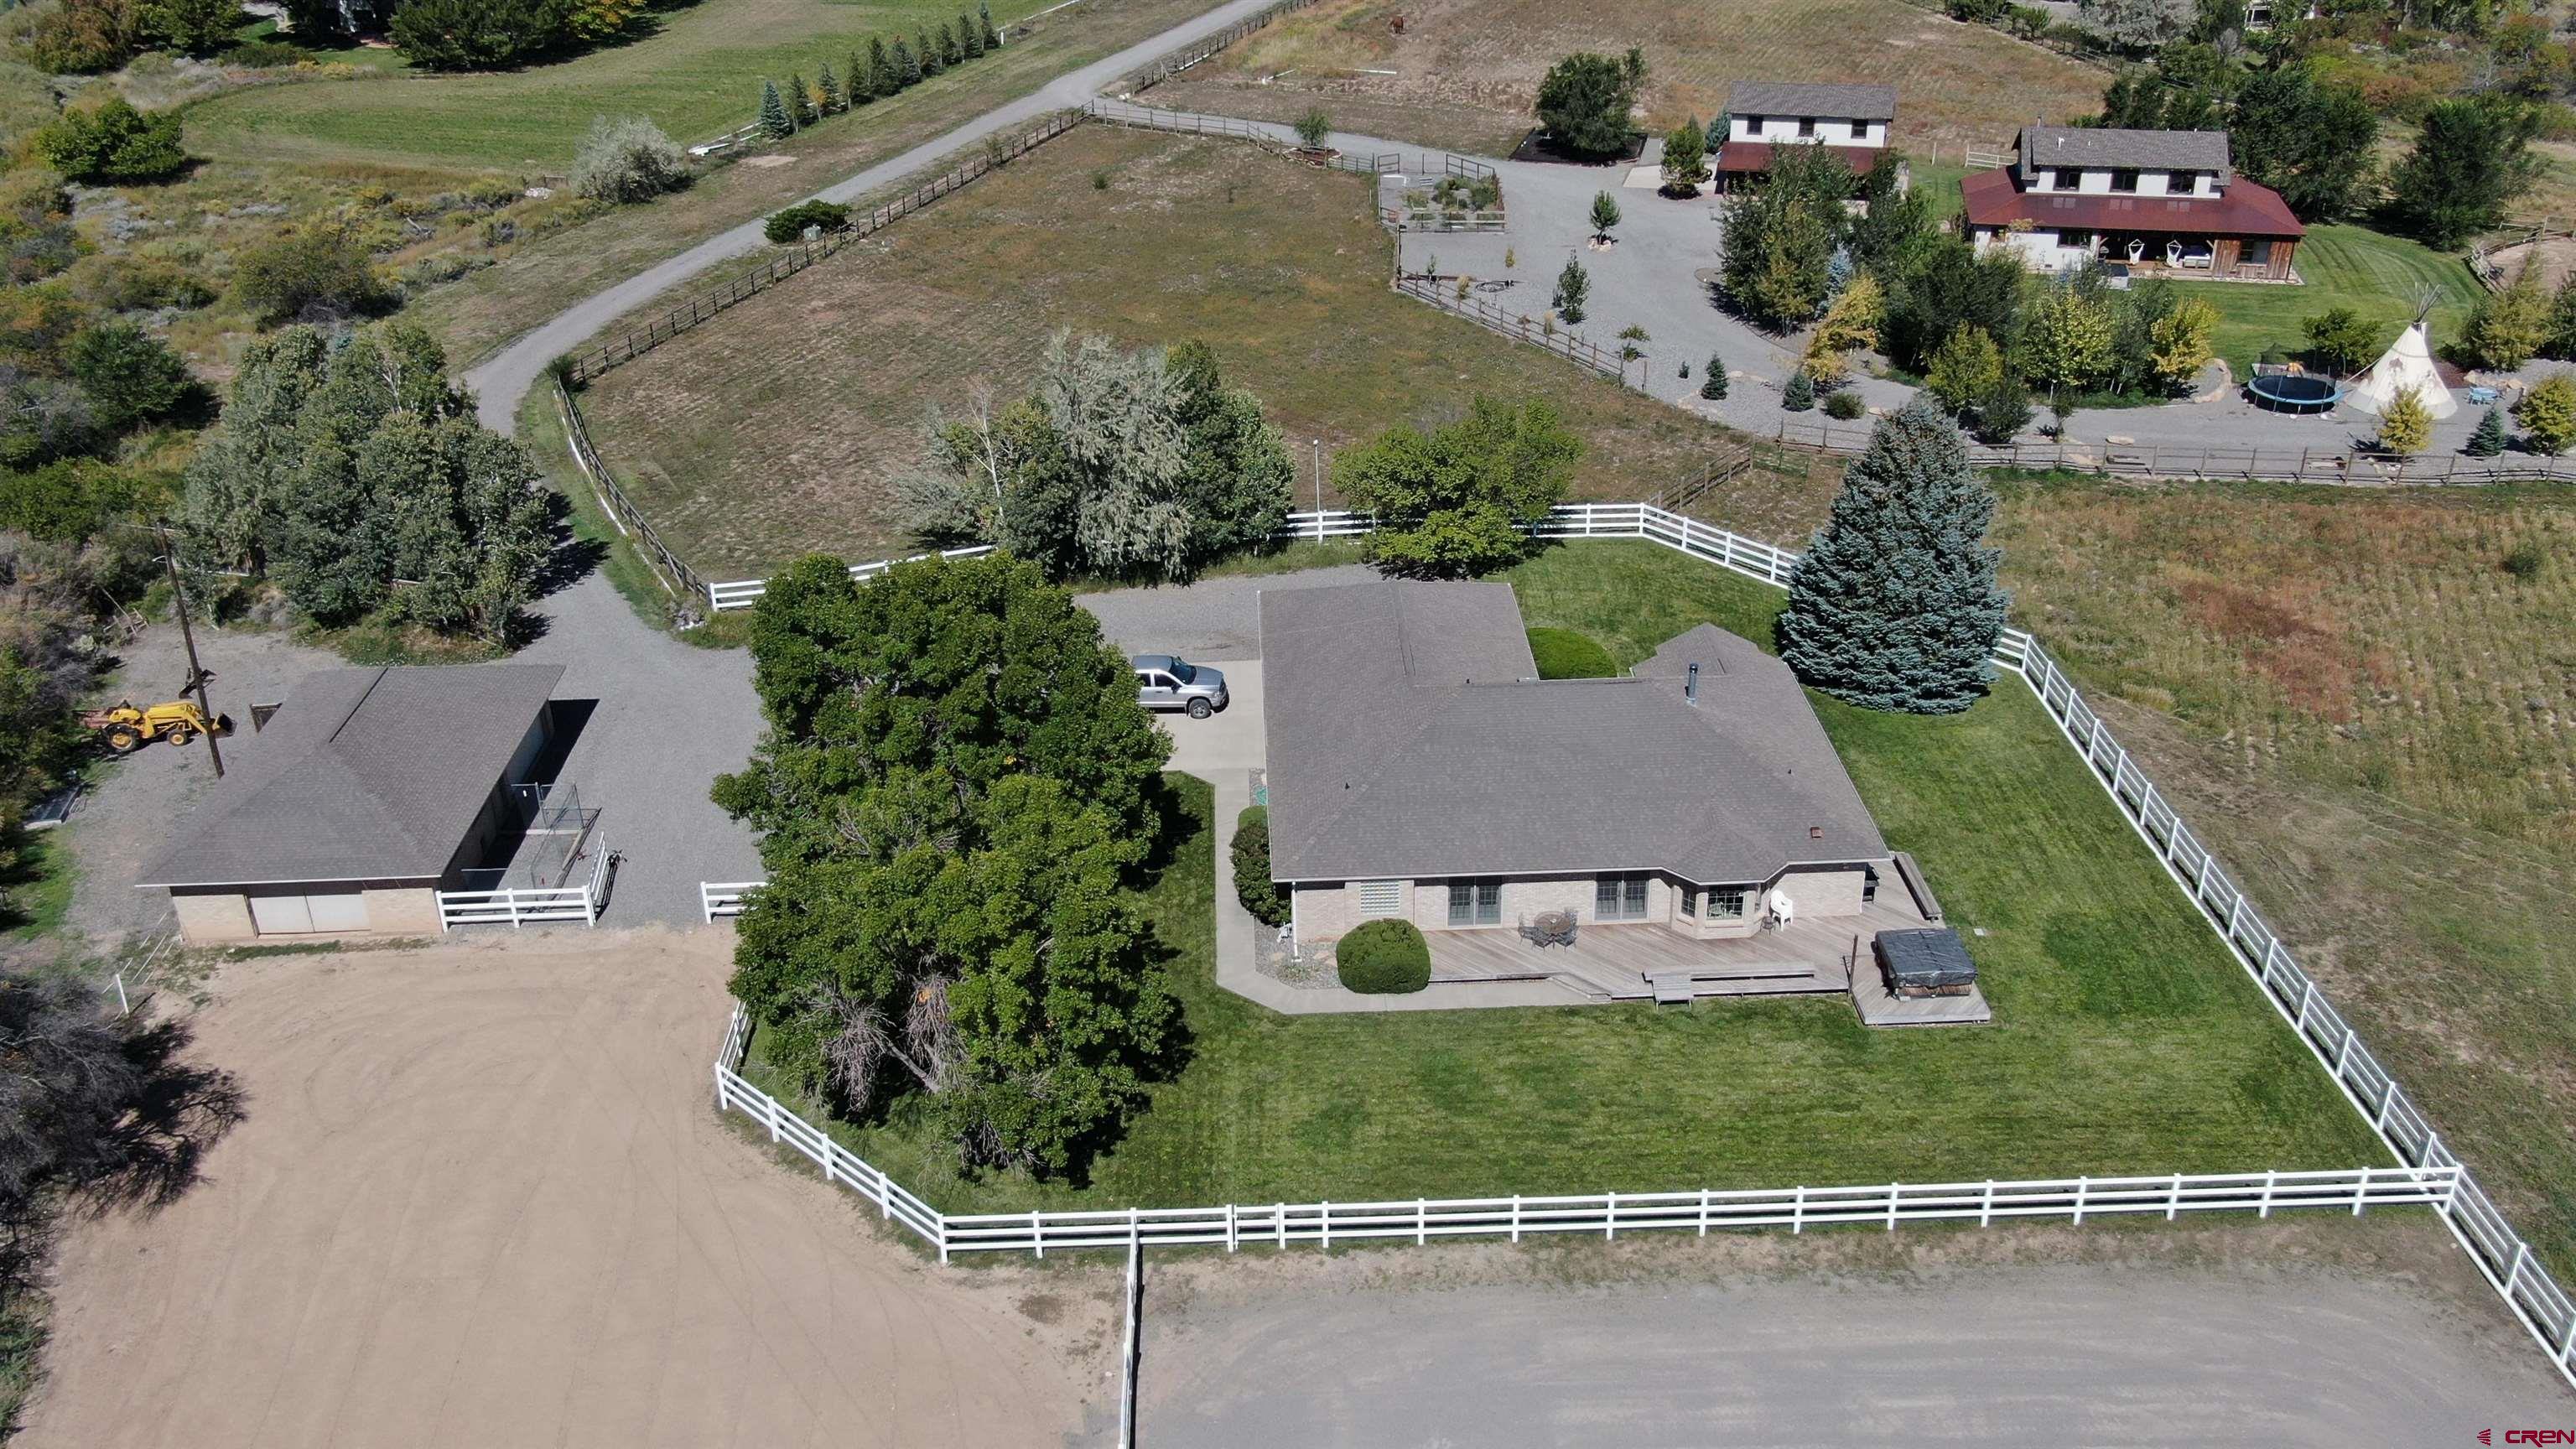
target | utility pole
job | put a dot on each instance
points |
(197, 675)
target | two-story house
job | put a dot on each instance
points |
(1851, 120)
(2152, 201)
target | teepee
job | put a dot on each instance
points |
(2408, 363)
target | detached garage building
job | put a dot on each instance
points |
(368, 792)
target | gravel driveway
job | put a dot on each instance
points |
(1212, 619)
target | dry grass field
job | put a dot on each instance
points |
(779, 429)
(1466, 71)
(2368, 704)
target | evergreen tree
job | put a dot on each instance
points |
(883, 78)
(2561, 346)
(984, 22)
(1894, 605)
(970, 35)
(1605, 215)
(907, 66)
(1686, 158)
(800, 102)
(1572, 287)
(950, 52)
(2470, 160)
(2507, 329)
(1712, 383)
(1800, 394)
(775, 122)
(2489, 439)
(2407, 424)
(2003, 410)
(926, 50)
(828, 90)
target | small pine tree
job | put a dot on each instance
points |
(2488, 441)
(992, 37)
(907, 66)
(950, 52)
(1712, 383)
(1572, 287)
(775, 121)
(1894, 605)
(2407, 425)
(2547, 413)
(2003, 410)
(1605, 215)
(927, 51)
(1800, 394)
(884, 77)
(859, 92)
(827, 92)
(800, 101)
(971, 36)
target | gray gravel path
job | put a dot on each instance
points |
(2043, 1356)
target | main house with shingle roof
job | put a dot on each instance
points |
(2151, 201)
(1852, 121)
(1419, 768)
(361, 797)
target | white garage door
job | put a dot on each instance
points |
(294, 915)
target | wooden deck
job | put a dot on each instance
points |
(1646, 962)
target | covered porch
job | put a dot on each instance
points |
(1649, 962)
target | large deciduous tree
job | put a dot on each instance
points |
(1895, 605)
(1584, 102)
(1127, 463)
(955, 779)
(1776, 255)
(1458, 501)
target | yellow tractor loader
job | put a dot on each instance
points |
(127, 727)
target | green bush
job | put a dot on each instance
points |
(1384, 958)
(114, 143)
(1844, 406)
(1267, 900)
(787, 227)
(1565, 654)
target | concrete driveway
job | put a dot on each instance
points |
(1229, 741)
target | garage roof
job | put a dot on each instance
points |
(363, 774)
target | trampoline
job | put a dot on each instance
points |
(2295, 392)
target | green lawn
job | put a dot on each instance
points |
(2126, 1039)
(698, 77)
(2381, 277)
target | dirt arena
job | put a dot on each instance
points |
(481, 1198)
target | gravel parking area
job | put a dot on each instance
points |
(1212, 619)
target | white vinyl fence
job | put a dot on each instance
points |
(1237, 1225)
(717, 899)
(2431, 1169)
(525, 906)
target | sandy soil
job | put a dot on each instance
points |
(2315, 1330)
(481, 1198)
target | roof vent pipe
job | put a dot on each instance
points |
(1690, 687)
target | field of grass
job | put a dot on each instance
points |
(1467, 71)
(697, 76)
(2381, 277)
(2367, 704)
(777, 430)
(2126, 1040)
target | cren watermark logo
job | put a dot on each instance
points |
(2530, 1436)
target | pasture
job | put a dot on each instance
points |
(780, 428)
(1465, 72)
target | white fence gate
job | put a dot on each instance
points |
(523, 906)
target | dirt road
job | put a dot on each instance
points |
(2243, 1337)
(481, 1199)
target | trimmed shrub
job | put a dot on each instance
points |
(1267, 901)
(1384, 958)
(1844, 406)
(788, 227)
(1565, 654)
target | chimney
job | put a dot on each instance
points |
(1815, 832)
(1690, 688)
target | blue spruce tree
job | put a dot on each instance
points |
(775, 122)
(1895, 605)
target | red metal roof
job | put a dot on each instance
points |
(2243, 209)
(1743, 157)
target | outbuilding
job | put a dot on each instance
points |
(367, 792)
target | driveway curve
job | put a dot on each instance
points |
(503, 380)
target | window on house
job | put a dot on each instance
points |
(1381, 897)
(2075, 240)
(2124, 181)
(1690, 900)
(1806, 127)
(2182, 183)
(1619, 898)
(1475, 903)
(1725, 904)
